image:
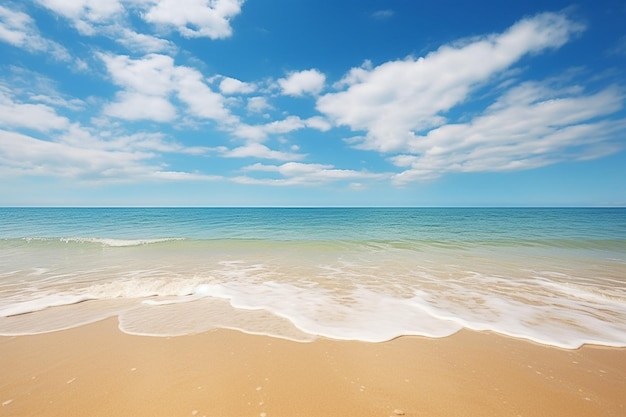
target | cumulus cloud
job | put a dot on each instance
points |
(396, 99)
(201, 101)
(132, 105)
(150, 75)
(192, 18)
(153, 88)
(287, 125)
(41, 135)
(230, 85)
(302, 82)
(19, 29)
(86, 15)
(400, 109)
(258, 104)
(319, 123)
(148, 86)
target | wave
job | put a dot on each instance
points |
(617, 246)
(110, 242)
(560, 315)
(358, 290)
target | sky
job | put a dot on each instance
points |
(312, 103)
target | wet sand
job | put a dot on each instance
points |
(96, 370)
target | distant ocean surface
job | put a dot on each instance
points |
(554, 276)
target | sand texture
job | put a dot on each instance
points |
(96, 370)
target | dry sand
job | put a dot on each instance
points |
(97, 370)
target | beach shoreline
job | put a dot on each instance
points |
(98, 370)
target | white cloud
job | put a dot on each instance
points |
(153, 143)
(355, 75)
(396, 99)
(200, 99)
(139, 42)
(318, 123)
(149, 84)
(398, 108)
(14, 26)
(151, 75)
(80, 65)
(255, 133)
(129, 105)
(81, 155)
(24, 155)
(85, 14)
(257, 150)
(258, 104)
(298, 173)
(531, 125)
(68, 149)
(56, 101)
(234, 86)
(193, 18)
(287, 125)
(19, 29)
(302, 82)
(38, 117)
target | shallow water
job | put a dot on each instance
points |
(555, 276)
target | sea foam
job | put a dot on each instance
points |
(117, 242)
(335, 275)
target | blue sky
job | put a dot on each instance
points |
(312, 103)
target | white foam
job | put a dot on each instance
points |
(63, 317)
(118, 242)
(371, 316)
(373, 296)
(202, 315)
(552, 318)
(41, 303)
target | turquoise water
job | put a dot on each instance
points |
(555, 276)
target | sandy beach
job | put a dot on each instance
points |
(97, 370)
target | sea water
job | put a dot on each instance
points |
(555, 276)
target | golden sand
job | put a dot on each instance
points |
(96, 370)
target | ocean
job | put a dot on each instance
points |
(555, 276)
